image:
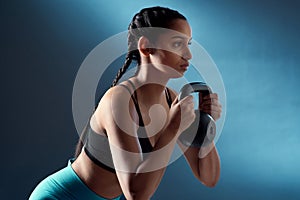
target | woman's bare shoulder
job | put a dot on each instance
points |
(113, 94)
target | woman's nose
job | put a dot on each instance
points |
(187, 54)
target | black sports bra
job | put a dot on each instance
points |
(96, 146)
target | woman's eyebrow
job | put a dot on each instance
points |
(181, 37)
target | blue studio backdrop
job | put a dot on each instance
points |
(255, 44)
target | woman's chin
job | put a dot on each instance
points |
(178, 74)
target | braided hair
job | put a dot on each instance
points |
(147, 17)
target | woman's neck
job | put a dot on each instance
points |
(150, 84)
(148, 75)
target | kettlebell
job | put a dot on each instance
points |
(203, 130)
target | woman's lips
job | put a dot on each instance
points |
(184, 66)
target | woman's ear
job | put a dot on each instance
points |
(145, 47)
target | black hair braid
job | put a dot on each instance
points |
(123, 69)
(133, 53)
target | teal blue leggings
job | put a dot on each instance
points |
(65, 185)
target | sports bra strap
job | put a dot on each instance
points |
(168, 97)
(135, 100)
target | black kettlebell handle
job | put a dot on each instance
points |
(194, 87)
(203, 130)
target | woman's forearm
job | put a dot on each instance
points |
(150, 171)
(209, 165)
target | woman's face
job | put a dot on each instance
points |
(172, 53)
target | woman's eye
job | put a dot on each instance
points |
(180, 44)
(177, 44)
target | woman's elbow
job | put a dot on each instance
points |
(210, 184)
(208, 180)
(141, 194)
(137, 196)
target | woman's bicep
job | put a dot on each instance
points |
(121, 128)
(124, 147)
(116, 116)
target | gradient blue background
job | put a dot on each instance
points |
(255, 44)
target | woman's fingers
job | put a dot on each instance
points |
(211, 96)
(211, 105)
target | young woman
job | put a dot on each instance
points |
(129, 139)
